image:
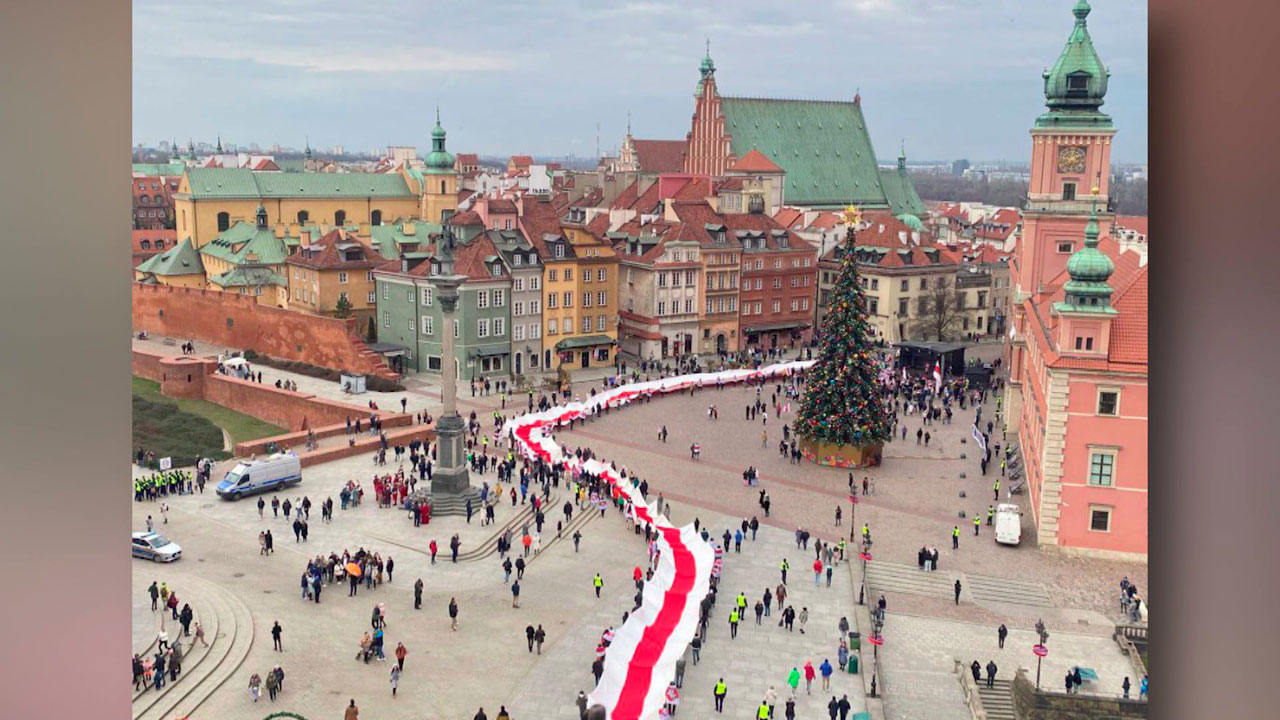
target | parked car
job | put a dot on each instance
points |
(155, 547)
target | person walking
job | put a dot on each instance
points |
(955, 538)
(352, 713)
(275, 637)
(991, 674)
(720, 691)
(582, 705)
(273, 686)
(977, 523)
(453, 614)
(401, 653)
(826, 670)
(733, 623)
(395, 679)
(1125, 687)
(784, 568)
(817, 573)
(515, 594)
(793, 680)
(804, 618)
(528, 634)
(1002, 633)
(833, 707)
(255, 686)
(771, 699)
(958, 592)
(417, 594)
(598, 583)
(539, 636)
(809, 675)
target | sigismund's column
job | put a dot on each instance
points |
(450, 485)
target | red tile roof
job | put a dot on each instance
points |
(469, 260)
(537, 219)
(521, 161)
(168, 237)
(660, 156)
(789, 217)
(502, 205)
(266, 164)
(324, 254)
(696, 189)
(464, 159)
(465, 218)
(734, 183)
(1129, 329)
(627, 197)
(754, 162)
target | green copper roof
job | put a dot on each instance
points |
(389, 238)
(912, 221)
(235, 244)
(1075, 86)
(181, 259)
(208, 183)
(823, 146)
(156, 169)
(439, 160)
(1089, 268)
(248, 277)
(901, 193)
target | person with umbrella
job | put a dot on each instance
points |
(353, 574)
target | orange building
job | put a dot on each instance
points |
(335, 270)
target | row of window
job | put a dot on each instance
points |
(565, 326)
(146, 244)
(150, 213)
(777, 263)
(146, 200)
(566, 299)
(797, 304)
(535, 283)
(339, 218)
(675, 278)
(675, 307)
(518, 308)
(720, 304)
(601, 275)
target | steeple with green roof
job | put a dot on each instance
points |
(439, 160)
(1075, 86)
(707, 70)
(1089, 269)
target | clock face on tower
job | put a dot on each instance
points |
(1070, 159)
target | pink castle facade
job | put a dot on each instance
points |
(1077, 395)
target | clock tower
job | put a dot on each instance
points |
(1070, 175)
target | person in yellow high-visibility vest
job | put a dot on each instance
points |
(598, 582)
(955, 538)
(977, 523)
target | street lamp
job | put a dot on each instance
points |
(1040, 649)
(864, 555)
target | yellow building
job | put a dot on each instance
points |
(326, 272)
(209, 201)
(580, 284)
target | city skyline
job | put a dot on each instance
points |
(637, 59)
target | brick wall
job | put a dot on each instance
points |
(279, 407)
(238, 321)
(1032, 704)
(147, 365)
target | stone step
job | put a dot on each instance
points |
(579, 521)
(157, 706)
(205, 614)
(240, 644)
(985, 589)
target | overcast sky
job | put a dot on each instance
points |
(955, 78)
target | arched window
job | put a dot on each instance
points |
(340, 217)
(442, 190)
(224, 221)
(302, 217)
(159, 244)
(145, 244)
(376, 218)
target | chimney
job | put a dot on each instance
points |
(281, 230)
(409, 229)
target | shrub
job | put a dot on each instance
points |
(378, 384)
(167, 431)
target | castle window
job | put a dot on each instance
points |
(376, 218)
(1069, 191)
(224, 221)
(303, 216)
(340, 217)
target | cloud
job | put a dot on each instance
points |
(349, 59)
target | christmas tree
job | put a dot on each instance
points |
(844, 402)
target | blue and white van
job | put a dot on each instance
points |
(250, 477)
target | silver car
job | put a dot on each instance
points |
(154, 546)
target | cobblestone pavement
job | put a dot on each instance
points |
(917, 663)
(758, 657)
(219, 540)
(916, 502)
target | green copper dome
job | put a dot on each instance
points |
(1089, 269)
(1078, 80)
(1075, 86)
(912, 222)
(438, 160)
(707, 69)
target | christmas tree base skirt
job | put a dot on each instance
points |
(842, 456)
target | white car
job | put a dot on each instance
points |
(154, 546)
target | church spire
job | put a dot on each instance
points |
(902, 156)
(219, 143)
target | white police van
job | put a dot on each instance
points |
(272, 473)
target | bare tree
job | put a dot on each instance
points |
(939, 310)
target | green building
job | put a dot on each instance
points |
(409, 316)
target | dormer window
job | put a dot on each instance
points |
(1077, 84)
(784, 242)
(496, 270)
(517, 259)
(559, 250)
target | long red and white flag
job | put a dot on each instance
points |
(640, 662)
(937, 376)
